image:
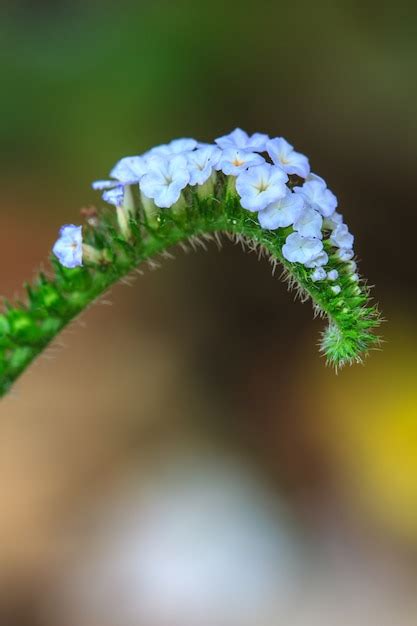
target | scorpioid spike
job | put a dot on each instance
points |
(252, 188)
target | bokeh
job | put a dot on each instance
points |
(181, 455)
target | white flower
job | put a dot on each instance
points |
(242, 141)
(334, 220)
(201, 163)
(68, 248)
(309, 223)
(129, 170)
(261, 185)
(316, 195)
(282, 213)
(298, 249)
(319, 260)
(233, 162)
(341, 237)
(176, 146)
(283, 154)
(345, 255)
(165, 179)
(333, 275)
(318, 274)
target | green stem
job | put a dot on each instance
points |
(26, 329)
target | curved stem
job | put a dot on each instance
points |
(27, 328)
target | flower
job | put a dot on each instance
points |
(316, 195)
(333, 275)
(201, 163)
(319, 260)
(341, 237)
(234, 161)
(298, 249)
(127, 171)
(261, 185)
(345, 255)
(336, 289)
(165, 179)
(68, 248)
(242, 141)
(282, 213)
(334, 220)
(318, 274)
(114, 196)
(309, 223)
(283, 154)
(176, 146)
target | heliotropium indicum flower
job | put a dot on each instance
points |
(201, 163)
(257, 191)
(240, 140)
(68, 248)
(127, 171)
(232, 161)
(165, 179)
(318, 261)
(283, 154)
(299, 249)
(310, 222)
(282, 213)
(341, 237)
(260, 186)
(318, 274)
(318, 196)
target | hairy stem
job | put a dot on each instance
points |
(27, 328)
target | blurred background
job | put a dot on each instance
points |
(183, 457)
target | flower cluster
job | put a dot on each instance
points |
(271, 179)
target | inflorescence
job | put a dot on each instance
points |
(271, 179)
(254, 188)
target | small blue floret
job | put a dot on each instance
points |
(68, 248)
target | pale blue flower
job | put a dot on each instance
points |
(298, 249)
(317, 196)
(242, 141)
(282, 213)
(319, 260)
(201, 163)
(309, 223)
(68, 248)
(261, 185)
(176, 146)
(345, 255)
(233, 161)
(333, 275)
(318, 274)
(127, 171)
(336, 289)
(341, 237)
(283, 154)
(114, 196)
(165, 179)
(334, 220)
